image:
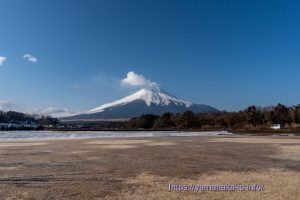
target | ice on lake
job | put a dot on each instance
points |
(11, 135)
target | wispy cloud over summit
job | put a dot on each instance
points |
(133, 79)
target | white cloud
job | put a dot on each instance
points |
(51, 111)
(30, 58)
(5, 105)
(46, 111)
(2, 60)
(133, 79)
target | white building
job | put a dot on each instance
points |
(276, 127)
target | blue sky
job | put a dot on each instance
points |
(228, 54)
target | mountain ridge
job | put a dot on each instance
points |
(144, 101)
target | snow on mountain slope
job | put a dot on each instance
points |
(149, 96)
(150, 100)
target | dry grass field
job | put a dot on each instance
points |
(142, 168)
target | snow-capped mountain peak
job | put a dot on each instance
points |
(149, 96)
(149, 100)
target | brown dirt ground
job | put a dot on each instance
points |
(142, 168)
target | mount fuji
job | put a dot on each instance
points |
(145, 101)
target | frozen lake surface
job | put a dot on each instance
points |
(11, 135)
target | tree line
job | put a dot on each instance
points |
(18, 117)
(10, 116)
(252, 118)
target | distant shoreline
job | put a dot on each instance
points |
(282, 132)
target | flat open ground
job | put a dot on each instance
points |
(142, 168)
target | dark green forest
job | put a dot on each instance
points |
(18, 118)
(252, 118)
(6, 117)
